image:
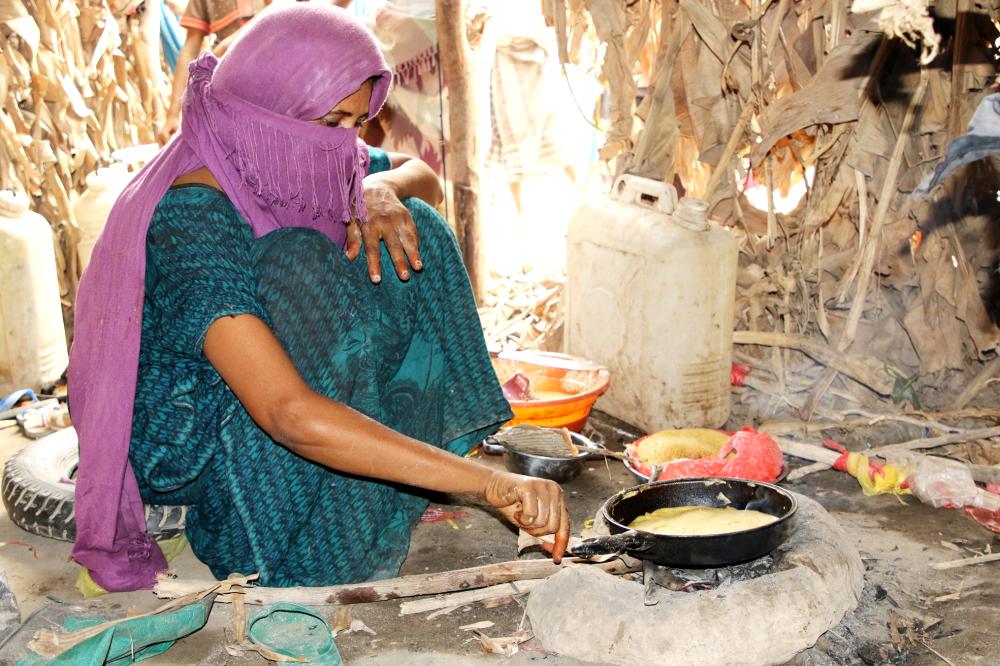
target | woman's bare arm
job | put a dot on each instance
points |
(410, 177)
(189, 51)
(254, 365)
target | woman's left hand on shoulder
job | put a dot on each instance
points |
(388, 222)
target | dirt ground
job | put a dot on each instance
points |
(910, 613)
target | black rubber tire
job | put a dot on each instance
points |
(38, 501)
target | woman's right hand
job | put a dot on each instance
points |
(171, 124)
(534, 505)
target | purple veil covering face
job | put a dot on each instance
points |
(245, 118)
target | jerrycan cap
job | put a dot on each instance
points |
(692, 214)
(13, 203)
(646, 192)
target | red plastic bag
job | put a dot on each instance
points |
(738, 374)
(758, 457)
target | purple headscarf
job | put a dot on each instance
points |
(246, 118)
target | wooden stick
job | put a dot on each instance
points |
(806, 428)
(462, 147)
(772, 37)
(772, 218)
(863, 418)
(926, 422)
(605, 453)
(818, 453)
(986, 473)
(968, 562)
(723, 167)
(958, 48)
(802, 472)
(393, 588)
(966, 413)
(569, 442)
(807, 451)
(468, 597)
(869, 253)
(838, 12)
(822, 385)
(760, 383)
(934, 442)
(977, 384)
(863, 369)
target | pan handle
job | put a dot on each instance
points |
(493, 447)
(630, 540)
(583, 443)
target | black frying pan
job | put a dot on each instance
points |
(711, 550)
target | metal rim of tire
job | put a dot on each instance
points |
(39, 500)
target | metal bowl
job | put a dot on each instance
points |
(557, 468)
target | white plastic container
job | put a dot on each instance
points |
(92, 207)
(650, 294)
(32, 337)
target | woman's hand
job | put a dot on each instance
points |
(388, 222)
(171, 124)
(534, 505)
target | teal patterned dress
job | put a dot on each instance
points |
(410, 355)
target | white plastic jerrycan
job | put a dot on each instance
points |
(651, 286)
(92, 207)
(32, 337)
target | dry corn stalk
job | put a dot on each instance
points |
(76, 85)
(522, 311)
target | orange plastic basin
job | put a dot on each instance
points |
(565, 386)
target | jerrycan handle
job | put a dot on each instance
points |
(645, 192)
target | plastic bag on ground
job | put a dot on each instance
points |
(939, 482)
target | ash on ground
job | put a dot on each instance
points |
(862, 637)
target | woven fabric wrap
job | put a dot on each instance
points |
(408, 354)
(289, 68)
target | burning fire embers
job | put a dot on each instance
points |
(694, 580)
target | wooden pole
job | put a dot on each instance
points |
(864, 369)
(462, 147)
(955, 564)
(455, 599)
(487, 575)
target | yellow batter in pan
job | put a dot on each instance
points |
(699, 520)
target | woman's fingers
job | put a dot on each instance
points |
(398, 254)
(354, 241)
(373, 251)
(529, 507)
(400, 238)
(546, 501)
(562, 535)
(411, 243)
